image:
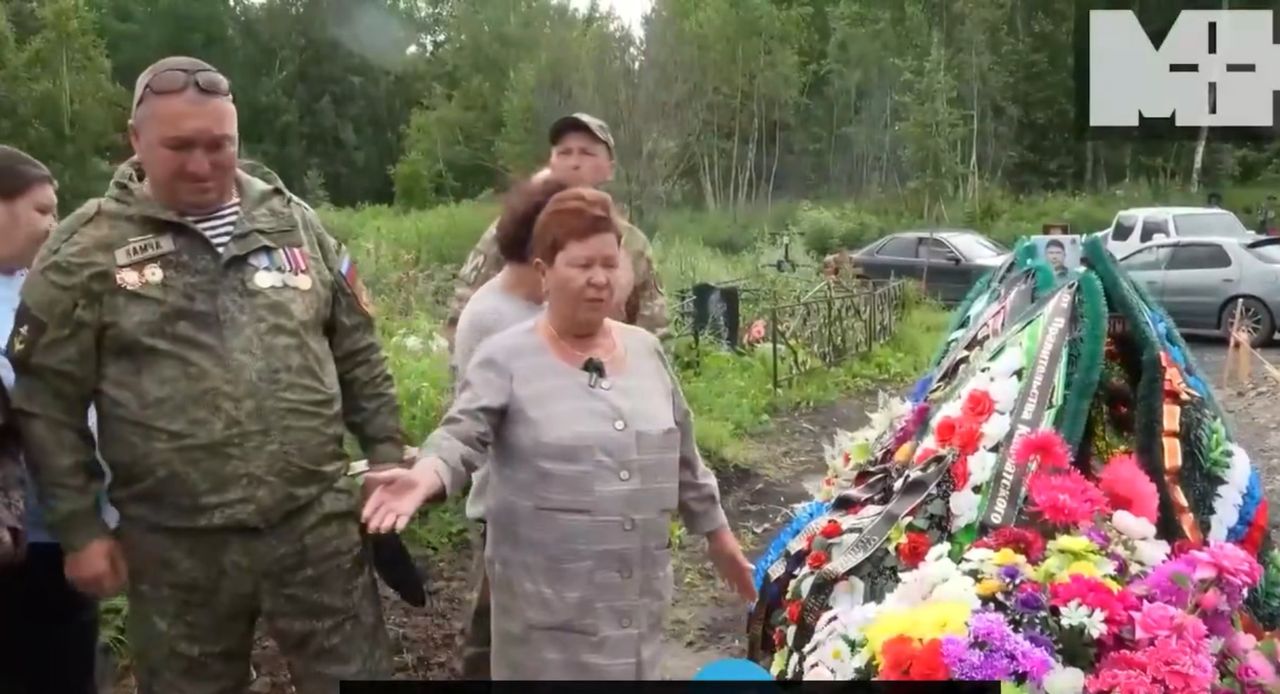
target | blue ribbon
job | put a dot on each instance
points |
(805, 515)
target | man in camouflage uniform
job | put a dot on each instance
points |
(227, 343)
(582, 154)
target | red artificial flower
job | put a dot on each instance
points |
(913, 549)
(945, 431)
(1064, 498)
(968, 436)
(1045, 448)
(1252, 540)
(928, 663)
(1028, 543)
(903, 659)
(978, 404)
(793, 611)
(960, 472)
(831, 530)
(818, 559)
(1128, 487)
(779, 637)
(896, 656)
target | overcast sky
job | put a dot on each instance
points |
(631, 11)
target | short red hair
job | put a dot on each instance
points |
(573, 215)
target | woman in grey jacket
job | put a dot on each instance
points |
(590, 452)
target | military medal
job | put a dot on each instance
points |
(262, 279)
(153, 274)
(128, 278)
(296, 264)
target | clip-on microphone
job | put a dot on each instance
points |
(595, 370)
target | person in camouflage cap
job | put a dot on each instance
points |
(582, 154)
(227, 342)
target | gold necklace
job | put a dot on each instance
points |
(612, 352)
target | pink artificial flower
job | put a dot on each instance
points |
(1241, 643)
(1045, 446)
(1264, 671)
(1212, 600)
(1226, 561)
(1064, 498)
(1160, 621)
(1128, 487)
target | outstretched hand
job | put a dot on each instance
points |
(732, 565)
(394, 495)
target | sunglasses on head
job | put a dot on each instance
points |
(176, 80)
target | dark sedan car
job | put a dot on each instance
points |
(954, 260)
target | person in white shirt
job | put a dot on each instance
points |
(48, 629)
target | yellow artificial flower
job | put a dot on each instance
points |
(1110, 583)
(1075, 544)
(923, 622)
(904, 452)
(988, 587)
(1087, 569)
(1006, 556)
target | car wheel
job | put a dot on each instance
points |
(1255, 321)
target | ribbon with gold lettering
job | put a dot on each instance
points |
(1005, 489)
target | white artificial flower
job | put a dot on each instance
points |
(981, 381)
(860, 659)
(819, 673)
(981, 465)
(861, 617)
(1077, 615)
(1151, 552)
(848, 594)
(1004, 393)
(953, 408)
(994, 429)
(964, 508)
(1131, 526)
(1007, 363)
(938, 553)
(1064, 680)
(960, 588)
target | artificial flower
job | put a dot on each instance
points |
(992, 650)
(1004, 392)
(964, 508)
(1005, 364)
(1063, 680)
(832, 529)
(995, 429)
(913, 548)
(1128, 487)
(981, 464)
(1043, 448)
(989, 587)
(1064, 498)
(817, 559)
(1092, 622)
(1026, 542)
(944, 431)
(978, 404)
(968, 436)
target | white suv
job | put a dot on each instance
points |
(1136, 227)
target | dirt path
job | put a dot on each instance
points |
(706, 621)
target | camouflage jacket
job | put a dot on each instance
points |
(646, 307)
(222, 397)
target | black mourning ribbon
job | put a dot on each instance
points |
(396, 567)
(595, 371)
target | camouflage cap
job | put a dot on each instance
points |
(173, 62)
(579, 122)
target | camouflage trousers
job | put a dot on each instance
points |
(476, 634)
(195, 596)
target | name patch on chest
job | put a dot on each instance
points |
(144, 248)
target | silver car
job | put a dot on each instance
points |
(1200, 281)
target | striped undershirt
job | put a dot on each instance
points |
(218, 225)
